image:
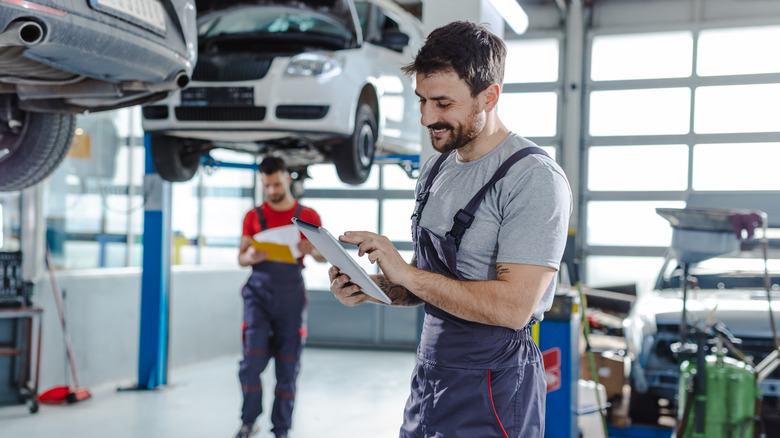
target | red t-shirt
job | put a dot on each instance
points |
(275, 218)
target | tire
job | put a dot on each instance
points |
(33, 150)
(175, 159)
(353, 158)
(643, 408)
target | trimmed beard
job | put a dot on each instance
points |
(461, 136)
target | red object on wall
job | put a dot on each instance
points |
(552, 368)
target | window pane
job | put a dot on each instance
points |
(223, 217)
(395, 178)
(84, 213)
(737, 108)
(642, 56)
(629, 223)
(115, 255)
(324, 176)
(531, 61)
(119, 213)
(747, 166)
(129, 159)
(339, 215)
(639, 168)
(611, 271)
(529, 114)
(738, 51)
(395, 219)
(660, 111)
(128, 121)
(184, 216)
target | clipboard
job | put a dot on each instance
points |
(337, 256)
(276, 252)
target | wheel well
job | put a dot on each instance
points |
(368, 96)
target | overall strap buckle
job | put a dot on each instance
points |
(461, 222)
(422, 198)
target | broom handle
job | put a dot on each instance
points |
(60, 310)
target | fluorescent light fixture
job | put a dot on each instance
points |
(514, 15)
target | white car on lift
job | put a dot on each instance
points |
(62, 58)
(314, 81)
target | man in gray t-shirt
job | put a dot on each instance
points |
(489, 228)
(523, 219)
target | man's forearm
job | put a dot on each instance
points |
(399, 295)
(502, 302)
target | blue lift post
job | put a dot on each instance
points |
(559, 336)
(155, 278)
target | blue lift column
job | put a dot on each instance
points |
(559, 336)
(155, 278)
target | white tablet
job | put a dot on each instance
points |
(332, 250)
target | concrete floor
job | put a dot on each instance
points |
(341, 393)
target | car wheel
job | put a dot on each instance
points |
(175, 159)
(643, 408)
(32, 145)
(354, 157)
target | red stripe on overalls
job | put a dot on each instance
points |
(286, 395)
(252, 388)
(490, 390)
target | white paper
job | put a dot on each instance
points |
(286, 235)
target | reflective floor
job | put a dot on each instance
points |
(341, 393)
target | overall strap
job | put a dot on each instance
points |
(465, 216)
(264, 224)
(261, 218)
(422, 197)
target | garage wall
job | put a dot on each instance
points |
(103, 312)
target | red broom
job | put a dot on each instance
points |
(62, 394)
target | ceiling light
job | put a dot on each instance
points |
(514, 15)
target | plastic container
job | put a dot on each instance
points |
(588, 410)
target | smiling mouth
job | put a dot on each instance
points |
(438, 130)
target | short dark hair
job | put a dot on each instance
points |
(271, 164)
(468, 49)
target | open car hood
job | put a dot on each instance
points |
(745, 313)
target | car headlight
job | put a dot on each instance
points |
(314, 64)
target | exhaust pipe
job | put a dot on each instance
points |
(22, 33)
(182, 80)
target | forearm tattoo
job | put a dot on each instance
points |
(501, 270)
(399, 295)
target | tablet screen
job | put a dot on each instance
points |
(337, 256)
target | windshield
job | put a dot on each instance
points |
(273, 21)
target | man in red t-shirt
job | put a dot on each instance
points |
(275, 301)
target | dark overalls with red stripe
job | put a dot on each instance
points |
(471, 379)
(274, 325)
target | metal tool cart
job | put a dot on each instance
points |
(18, 382)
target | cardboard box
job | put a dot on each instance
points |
(610, 371)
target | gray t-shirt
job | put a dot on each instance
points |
(523, 219)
